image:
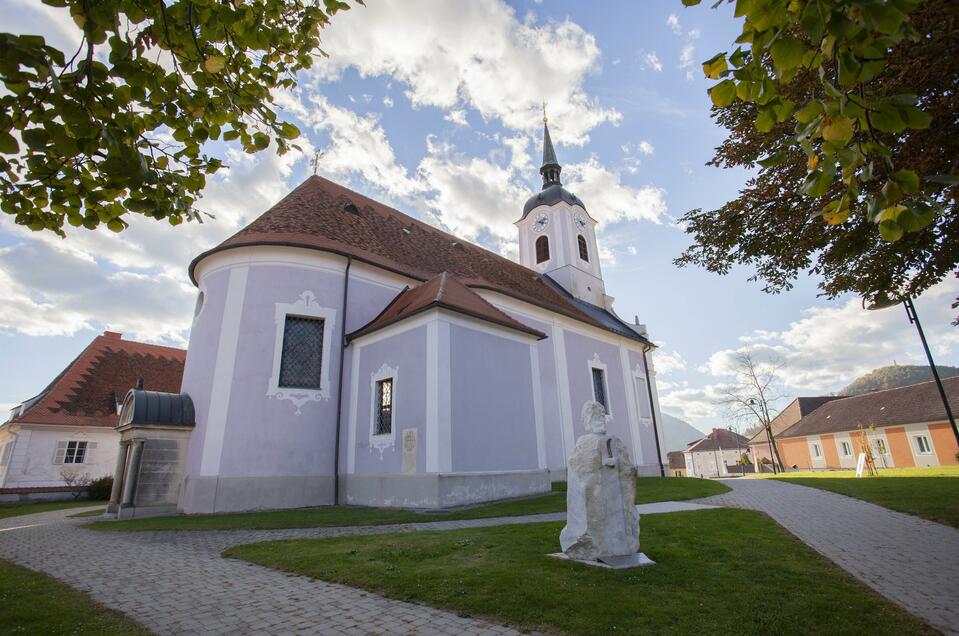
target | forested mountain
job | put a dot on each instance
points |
(893, 377)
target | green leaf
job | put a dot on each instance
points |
(289, 131)
(907, 179)
(773, 160)
(8, 144)
(766, 120)
(890, 231)
(715, 66)
(838, 128)
(809, 112)
(261, 140)
(723, 94)
(882, 17)
(214, 63)
(787, 53)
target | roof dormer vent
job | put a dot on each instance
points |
(350, 207)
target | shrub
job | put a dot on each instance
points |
(101, 488)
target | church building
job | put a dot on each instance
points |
(342, 351)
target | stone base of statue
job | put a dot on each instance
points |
(602, 524)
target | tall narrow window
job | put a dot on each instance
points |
(302, 357)
(583, 251)
(599, 388)
(922, 443)
(542, 249)
(384, 410)
(846, 449)
(816, 451)
(881, 446)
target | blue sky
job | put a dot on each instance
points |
(434, 107)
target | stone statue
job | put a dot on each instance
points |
(601, 516)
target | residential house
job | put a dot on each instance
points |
(69, 427)
(903, 427)
(715, 455)
(759, 448)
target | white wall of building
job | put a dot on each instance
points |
(711, 463)
(31, 463)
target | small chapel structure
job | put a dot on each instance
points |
(342, 351)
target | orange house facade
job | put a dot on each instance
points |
(903, 428)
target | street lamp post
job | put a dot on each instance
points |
(882, 302)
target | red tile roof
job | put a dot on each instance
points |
(789, 416)
(443, 290)
(718, 439)
(86, 392)
(319, 214)
(913, 404)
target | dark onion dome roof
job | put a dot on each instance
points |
(155, 408)
(551, 195)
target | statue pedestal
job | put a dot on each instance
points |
(626, 562)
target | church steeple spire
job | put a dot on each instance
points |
(550, 168)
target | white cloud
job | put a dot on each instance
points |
(475, 54)
(687, 56)
(831, 346)
(50, 292)
(608, 199)
(388, 101)
(668, 360)
(457, 116)
(651, 61)
(673, 22)
(645, 147)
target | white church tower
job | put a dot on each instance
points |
(557, 236)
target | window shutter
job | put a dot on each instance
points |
(61, 451)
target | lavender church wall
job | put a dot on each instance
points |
(580, 351)
(646, 407)
(493, 422)
(201, 359)
(405, 352)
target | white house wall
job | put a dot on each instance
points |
(31, 463)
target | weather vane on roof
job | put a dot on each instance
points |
(544, 111)
(315, 162)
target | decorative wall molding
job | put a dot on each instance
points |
(386, 440)
(305, 306)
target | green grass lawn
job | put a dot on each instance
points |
(717, 571)
(649, 489)
(15, 510)
(931, 493)
(34, 603)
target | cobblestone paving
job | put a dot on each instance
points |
(911, 561)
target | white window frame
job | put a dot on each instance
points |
(60, 454)
(881, 447)
(596, 363)
(817, 450)
(843, 446)
(918, 446)
(385, 440)
(304, 307)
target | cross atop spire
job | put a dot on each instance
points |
(551, 168)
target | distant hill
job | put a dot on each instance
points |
(893, 377)
(677, 433)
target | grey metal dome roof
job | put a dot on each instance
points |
(157, 409)
(549, 196)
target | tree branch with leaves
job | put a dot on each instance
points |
(848, 109)
(119, 126)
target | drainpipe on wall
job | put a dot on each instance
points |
(339, 389)
(652, 412)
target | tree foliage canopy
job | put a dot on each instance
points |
(849, 110)
(118, 125)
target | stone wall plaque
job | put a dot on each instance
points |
(409, 450)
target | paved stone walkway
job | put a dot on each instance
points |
(177, 582)
(909, 560)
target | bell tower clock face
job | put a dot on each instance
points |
(580, 222)
(541, 222)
